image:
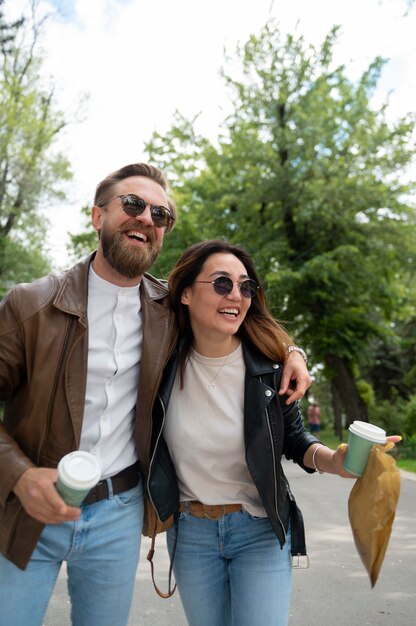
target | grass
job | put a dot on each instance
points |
(409, 465)
(328, 437)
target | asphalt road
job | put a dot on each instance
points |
(334, 591)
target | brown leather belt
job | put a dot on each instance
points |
(124, 480)
(209, 511)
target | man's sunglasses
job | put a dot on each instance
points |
(134, 206)
(224, 285)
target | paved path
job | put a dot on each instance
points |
(334, 591)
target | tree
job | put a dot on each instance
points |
(310, 177)
(30, 174)
(7, 31)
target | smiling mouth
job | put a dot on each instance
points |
(233, 312)
(136, 235)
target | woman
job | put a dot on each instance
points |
(219, 434)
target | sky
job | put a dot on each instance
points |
(139, 61)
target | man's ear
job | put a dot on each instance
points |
(96, 217)
(185, 295)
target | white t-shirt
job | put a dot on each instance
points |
(204, 431)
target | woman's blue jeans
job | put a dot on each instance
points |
(101, 551)
(231, 572)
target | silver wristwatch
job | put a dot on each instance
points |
(297, 349)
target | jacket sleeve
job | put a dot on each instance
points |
(13, 461)
(296, 438)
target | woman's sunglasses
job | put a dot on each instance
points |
(134, 206)
(224, 285)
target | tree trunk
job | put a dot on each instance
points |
(343, 383)
(337, 408)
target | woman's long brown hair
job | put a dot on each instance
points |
(259, 327)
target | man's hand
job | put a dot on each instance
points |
(294, 370)
(37, 493)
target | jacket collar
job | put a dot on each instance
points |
(154, 288)
(256, 363)
(72, 296)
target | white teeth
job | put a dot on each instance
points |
(137, 234)
(229, 311)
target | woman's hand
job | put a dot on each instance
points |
(324, 459)
(294, 370)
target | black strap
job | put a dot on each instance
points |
(297, 530)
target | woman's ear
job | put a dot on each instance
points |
(185, 297)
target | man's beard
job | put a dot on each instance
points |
(129, 261)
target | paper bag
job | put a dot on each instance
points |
(372, 507)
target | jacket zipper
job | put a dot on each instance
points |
(155, 448)
(155, 397)
(274, 471)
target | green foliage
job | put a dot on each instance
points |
(315, 182)
(21, 262)
(389, 362)
(83, 243)
(406, 451)
(410, 417)
(389, 415)
(366, 392)
(332, 441)
(310, 178)
(30, 173)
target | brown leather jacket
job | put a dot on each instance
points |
(43, 371)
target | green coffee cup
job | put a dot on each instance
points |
(78, 472)
(362, 437)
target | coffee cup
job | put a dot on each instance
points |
(78, 472)
(362, 437)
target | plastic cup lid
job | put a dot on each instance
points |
(80, 468)
(368, 431)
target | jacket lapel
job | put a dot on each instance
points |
(72, 299)
(260, 386)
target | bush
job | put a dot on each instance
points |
(389, 415)
(407, 450)
(410, 417)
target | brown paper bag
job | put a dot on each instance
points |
(372, 507)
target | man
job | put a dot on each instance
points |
(314, 418)
(72, 348)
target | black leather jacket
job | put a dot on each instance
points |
(271, 429)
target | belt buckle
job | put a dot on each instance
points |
(300, 561)
(214, 519)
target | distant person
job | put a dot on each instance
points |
(81, 356)
(219, 434)
(314, 419)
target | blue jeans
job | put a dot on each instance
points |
(231, 572)
(102, 552)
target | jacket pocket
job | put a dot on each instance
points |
(9, 517)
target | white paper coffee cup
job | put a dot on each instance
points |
(78, 472)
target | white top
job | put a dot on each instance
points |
(204, 431)
(114, 352)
